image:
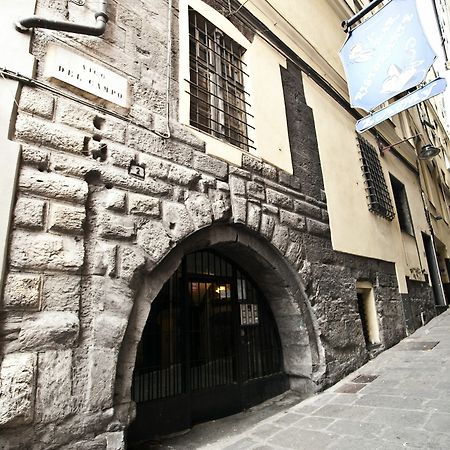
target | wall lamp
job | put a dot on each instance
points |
(389, 147)
(427, 151)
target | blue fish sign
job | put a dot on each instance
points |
(386, 55)
(431, 89)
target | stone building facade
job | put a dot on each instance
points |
(92, 243)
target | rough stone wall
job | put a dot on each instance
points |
(85, 232)
(419, 305)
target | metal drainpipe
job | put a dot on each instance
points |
(40, 22)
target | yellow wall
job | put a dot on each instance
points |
(354, 229)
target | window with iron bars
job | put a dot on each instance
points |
(218, 99)
(378, 198)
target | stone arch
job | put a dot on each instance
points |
(302, 351)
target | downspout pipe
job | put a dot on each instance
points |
(98, 29)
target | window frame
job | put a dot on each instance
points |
(218, 100)
(217, 147)
(402, 205)
(378, 198)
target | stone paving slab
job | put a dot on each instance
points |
(407, 405)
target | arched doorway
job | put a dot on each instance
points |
(210, 348)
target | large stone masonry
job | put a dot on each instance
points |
(86, 234)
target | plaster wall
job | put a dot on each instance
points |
(354, 228)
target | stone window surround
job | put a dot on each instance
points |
(273, 148)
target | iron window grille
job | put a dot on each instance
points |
(218, 99)
(402, 206)
(377, 194)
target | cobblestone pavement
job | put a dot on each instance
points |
(399, 400)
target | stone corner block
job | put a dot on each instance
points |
(17, 380)
(29, 213)
(22, 291)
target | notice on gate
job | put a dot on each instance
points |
(249, 314)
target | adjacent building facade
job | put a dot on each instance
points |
(190, 224)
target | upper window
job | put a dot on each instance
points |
(378, 198)
(219, 101)
(401, 204)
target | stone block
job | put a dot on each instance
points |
(115, 200)
(251, 163)
(199, 208)
(267, 225)
(307, 209)
(104, 259)
(46, 252)
(183, 175)
(280, 238)
(154, 167)
(256, 190)
(61, 293)
(101, 378)
(279, 199)
(116, 227)
(35, 156)
(17, 380)
(128, 19)
(22, 291)
(66, 219)
(131, 259)
(292, 220)
(220, 203)
(237, 185)
(36, 101)
(289, 180)
(115, 440)
(269, 209)
(87, 119)
(269, 172)
(48, 330)
(239, 209)
(120, 155)
(54, 386)
(183, 134)
(238, 172)
(144, 140)
(29, 213)
(211, 165)
(108, 329)
(154, 239)
(48, 134)
(253, 215)
(176, 220)
(121, 178)
(143, 205)
(52, 185)
(317, 228)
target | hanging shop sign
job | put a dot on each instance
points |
(420, 95)
(386, 55)
(88, 76)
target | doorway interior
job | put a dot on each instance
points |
(210, 348)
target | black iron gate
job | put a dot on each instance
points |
(210, 348)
